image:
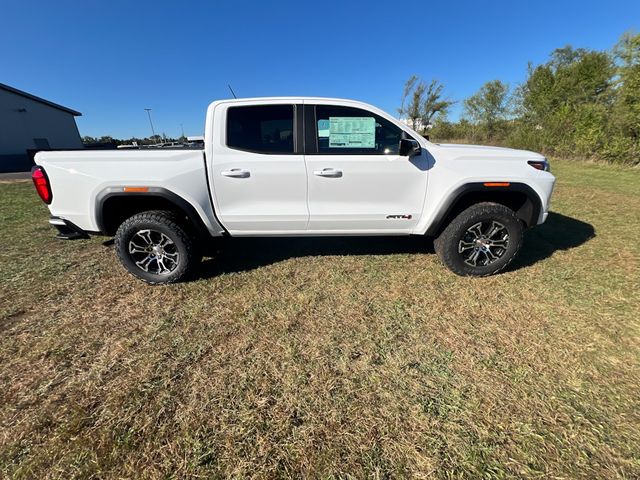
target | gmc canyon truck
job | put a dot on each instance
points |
(297, 167)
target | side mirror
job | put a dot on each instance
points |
(409, 148)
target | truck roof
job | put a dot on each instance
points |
(290, 99)
(287, 97)
(298, 99)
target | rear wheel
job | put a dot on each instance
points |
(154, 247)
(481, 240)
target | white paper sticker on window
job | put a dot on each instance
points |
(352, 132)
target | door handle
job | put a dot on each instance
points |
(236, 173)
(328, 172)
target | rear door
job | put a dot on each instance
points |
(358, 183)
(258, 170)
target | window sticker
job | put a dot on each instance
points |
(323, 128)
(352, 132)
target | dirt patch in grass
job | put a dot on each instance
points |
(328, 357)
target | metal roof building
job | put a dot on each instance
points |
(29, 123)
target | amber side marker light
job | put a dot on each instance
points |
(496, 184)
(136, 189)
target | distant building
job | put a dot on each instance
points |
(196, 141)
(419, 126)
(28, 124)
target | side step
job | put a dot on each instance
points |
(67, 230)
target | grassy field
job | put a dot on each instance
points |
(344, 358)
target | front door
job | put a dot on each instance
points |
(259, 175)
(357, 181)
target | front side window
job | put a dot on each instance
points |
(261, 128)
(353, 131)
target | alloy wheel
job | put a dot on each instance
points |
(483, 243)
(154, 252)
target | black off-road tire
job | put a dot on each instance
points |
(455, 237)
(160, 223)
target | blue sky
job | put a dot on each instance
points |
(111, 59)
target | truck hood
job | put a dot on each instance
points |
(460, 150)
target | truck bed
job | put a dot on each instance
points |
(88, 174)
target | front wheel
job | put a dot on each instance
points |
(481, 240)
(154, 247)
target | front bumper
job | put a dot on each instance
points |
(67, 230)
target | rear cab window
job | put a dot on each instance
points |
(265, 129)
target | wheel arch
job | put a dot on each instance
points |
(519, 197)
(114, 205)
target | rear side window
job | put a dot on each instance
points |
(261, 128)
(353, 131)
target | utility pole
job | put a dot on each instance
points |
(182, 128)
(148, 110)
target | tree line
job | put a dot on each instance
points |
(580, 102)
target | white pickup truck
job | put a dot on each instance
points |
(297, 166)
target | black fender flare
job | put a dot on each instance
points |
(530, 218)
(157, 192)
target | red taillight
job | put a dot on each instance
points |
(41, 182)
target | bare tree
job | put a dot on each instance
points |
(434, 103)
(425, 104)
(408, 87)
(414, 110)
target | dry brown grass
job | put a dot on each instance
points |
(328, 358)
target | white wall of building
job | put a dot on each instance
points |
(418, 125)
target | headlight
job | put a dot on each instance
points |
(539, 164)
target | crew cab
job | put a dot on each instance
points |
(297, 166)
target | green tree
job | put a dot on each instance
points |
(627, 50)
(627, 105)
(568, 100)
(571, 77)
(489, 106)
